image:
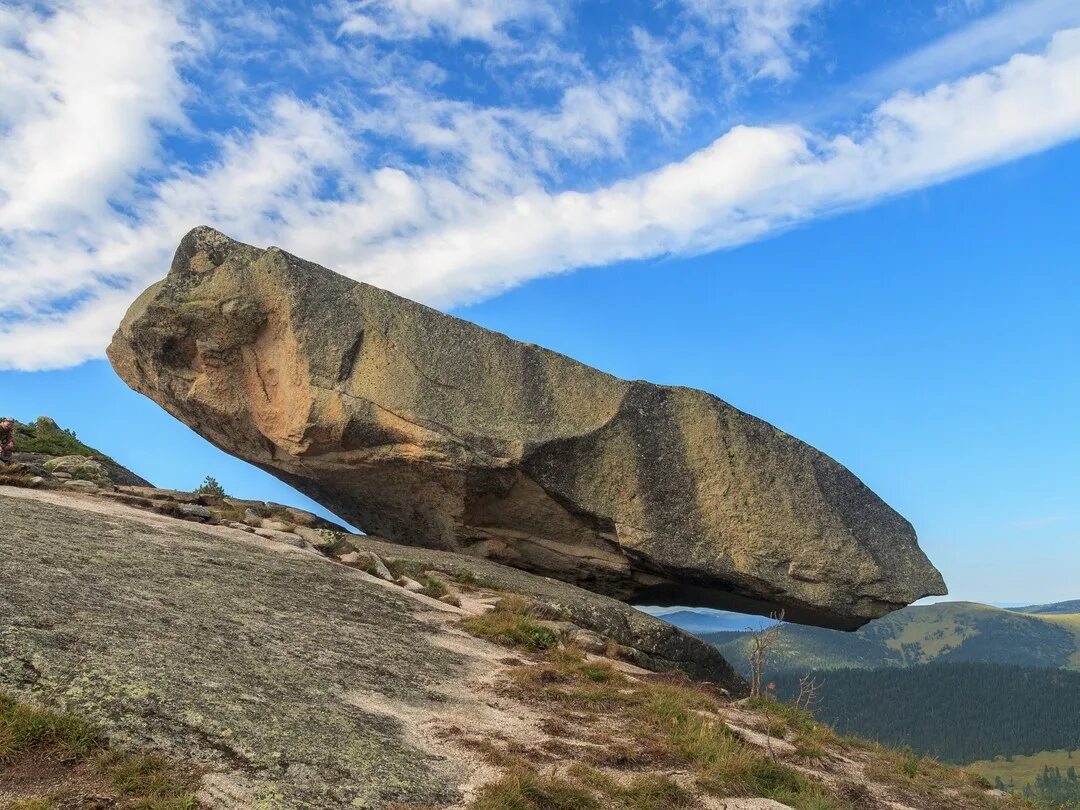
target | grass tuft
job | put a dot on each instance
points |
(145, 781)
(523, 788)
(512, 625)
(23, 727)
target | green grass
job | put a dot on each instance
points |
(1022, 770)
(45, 436)
(512, 625)
(23, 727)
(142, 781)
(664, 725)
(523, 788)
(433, 587)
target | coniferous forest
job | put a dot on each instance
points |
(958, 713)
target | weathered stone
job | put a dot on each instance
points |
(410, 585)
(275, 525)
(81, 486)
(379, 567)
(78, 468)
(279, 673)
(301, 518)
(645, 640)
(588, 641)
(431, 431)
(281, 537)
(194, 511)
(314, 536)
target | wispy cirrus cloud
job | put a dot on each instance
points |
(984, 41)
(376, 164)
(757, 36)
(488, 21)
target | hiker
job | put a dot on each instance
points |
(7, 439)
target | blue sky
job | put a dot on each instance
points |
(856, 220)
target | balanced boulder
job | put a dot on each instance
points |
(428, 430)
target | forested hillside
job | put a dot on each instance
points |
(943, 633)
(959, 713)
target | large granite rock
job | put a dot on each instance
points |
(429, 430)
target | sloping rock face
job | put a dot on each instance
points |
(280, 672)
(428, 430)
(290, 680)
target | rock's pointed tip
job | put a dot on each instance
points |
(202, 248)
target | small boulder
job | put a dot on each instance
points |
(314, 536)
(194, 511)
(410, 585)
(275, 525)
(280, 537)
(366, 559)
(78, 468)
(301, 518)
(589, 641)
(78, 485)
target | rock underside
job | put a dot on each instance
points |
(430, 431)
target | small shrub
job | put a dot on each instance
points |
(647, 792)
(433, 587)
(210, 486)
(406, 568)
(909, 762)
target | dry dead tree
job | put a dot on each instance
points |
(809, 691)
(761, 641)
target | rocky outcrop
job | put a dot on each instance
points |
(42, 444)
(428, 430)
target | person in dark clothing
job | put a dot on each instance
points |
(7, 439)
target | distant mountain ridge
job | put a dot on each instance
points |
(1039, 636)
(706, 621)
(1070, 606)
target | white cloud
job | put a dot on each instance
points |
(759, 35)
(80, 93)
(750, 182)
(985, 41)
(482, 20)
(485, 216)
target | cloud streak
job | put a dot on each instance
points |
(483, 211)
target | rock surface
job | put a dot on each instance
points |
(295, 681)
(428, 430)
(650, 643)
